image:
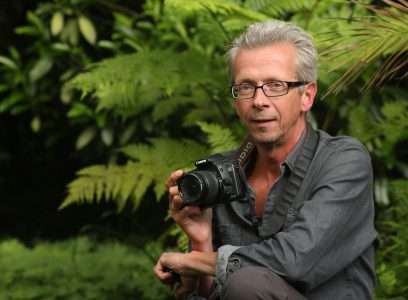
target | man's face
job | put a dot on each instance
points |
(271, 120)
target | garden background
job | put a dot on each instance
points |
(101, 99)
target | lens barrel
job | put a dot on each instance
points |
(199, 187)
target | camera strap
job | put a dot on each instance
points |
(244, 152)
(276, 221)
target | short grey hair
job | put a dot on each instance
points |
(274, 31)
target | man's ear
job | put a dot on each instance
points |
(308, 96)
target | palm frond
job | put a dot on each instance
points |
(380, 42)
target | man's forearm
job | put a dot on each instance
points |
(201, 263)
(205, 263)
(205, 281)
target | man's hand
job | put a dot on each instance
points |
(194, 221)
(194, 263)
(196, 270)
(182, 285)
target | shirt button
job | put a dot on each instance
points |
(234, 264)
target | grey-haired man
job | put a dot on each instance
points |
(324, 249)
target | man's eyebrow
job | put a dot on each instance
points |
(254, 82)
(246, 80)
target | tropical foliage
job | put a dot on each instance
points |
(79, 268)
(148, 91)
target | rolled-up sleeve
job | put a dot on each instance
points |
(333, 227)
(223, 257)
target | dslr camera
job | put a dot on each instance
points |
(216, 179)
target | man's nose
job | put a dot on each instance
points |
(260, 99)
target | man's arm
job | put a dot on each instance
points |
(196, 270)
(205, 281)
(194, 263)
(196, 223)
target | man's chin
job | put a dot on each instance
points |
(266, 139)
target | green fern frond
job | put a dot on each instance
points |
(381, 134)
(226, 8)
(382, 39)
(130, 82)
(220, 139)
(157, 161)
(151, 166)
(97, 183)
(399, 191)
(362, 125)
(165, 152)
(393, 127)
(275, 8)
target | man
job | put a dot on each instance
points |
(324, 249)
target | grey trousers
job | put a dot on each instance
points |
(256, 283)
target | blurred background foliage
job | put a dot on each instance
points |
(101, 99)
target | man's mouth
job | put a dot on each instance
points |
(263, 120)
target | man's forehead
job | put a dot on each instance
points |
(272, 62)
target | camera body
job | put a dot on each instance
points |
(216, 179)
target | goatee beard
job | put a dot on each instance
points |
(268, 143)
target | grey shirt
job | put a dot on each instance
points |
(325, 249)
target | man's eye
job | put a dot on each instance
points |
(276, 85)
(245, 87)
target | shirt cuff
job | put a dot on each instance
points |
(223, 255)
(195, 297)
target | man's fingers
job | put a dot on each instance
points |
(164, 277)
(173, 190)
(172, 180)
(176, 203)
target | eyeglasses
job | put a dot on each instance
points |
(273, 88)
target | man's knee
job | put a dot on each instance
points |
(255, 283)
(244, 283)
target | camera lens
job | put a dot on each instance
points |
(199, 188)
(191, 187)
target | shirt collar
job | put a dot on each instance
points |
(294, 154)
(290, 159)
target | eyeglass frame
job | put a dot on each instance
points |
(290, 85)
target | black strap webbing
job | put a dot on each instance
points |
(244, 152)
(276, 221)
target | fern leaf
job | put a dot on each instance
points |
(275, 8)
(214, 6)
(97, 183)
(130, 82)
(382, 134)
(157, 161)
(151, 165)
(221, 139)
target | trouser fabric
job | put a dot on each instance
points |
(256, 283)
